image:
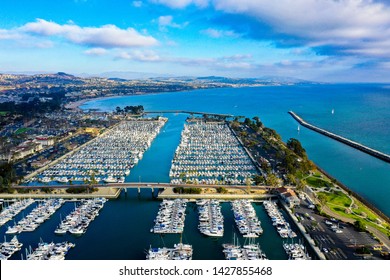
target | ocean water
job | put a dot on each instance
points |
(361, 113)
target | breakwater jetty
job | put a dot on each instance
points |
(353, 144)
(188, 112)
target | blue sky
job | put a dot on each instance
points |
(322, 40)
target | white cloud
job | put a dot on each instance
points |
(167, 21)
(96, 51)
(217, 33)
(137, 4)
(349, 26)
(138, 55)
(107, 36)
(344, 24)
(180, 4)
(237, 62)
(9, 35)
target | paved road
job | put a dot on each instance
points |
(380, 235)
(335, 246)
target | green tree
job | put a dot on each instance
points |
(295, 146)
(301, 184)
(259, 180)
(322, 198)
(247, 121)
(291, 179)
(221, 190)
(273, 181)
(359, 226)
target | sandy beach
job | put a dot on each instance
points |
(76, 104)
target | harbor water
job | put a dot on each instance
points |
(359, 112)
(122, 231)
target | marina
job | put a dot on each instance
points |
(296, 251)
(170, 217)
(7, 249)
(49, 251)
(271, 103)
(210, 218)
(209, 153)
(179, 251)
(108, 158)
(44, 210)
(125, 207)
(278, 221)
(246, 219)
(79, 219)
(8, 213)
(247, 252)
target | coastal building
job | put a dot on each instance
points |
(289, 196)
(45, 140)
(39, 163)
(25, 149)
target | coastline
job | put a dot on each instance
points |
(75, 105)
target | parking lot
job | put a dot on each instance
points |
(337, 240)
(59, 149)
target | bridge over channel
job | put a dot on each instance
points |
(151, 185)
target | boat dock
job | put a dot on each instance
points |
(353, 144)
(210, 217)
(247, 252)
(36, 217)
(178, 252)
(209, 153)
(78, 221)
(107, 158)
(278, 221)
(170, 217)
(7, 249)
(246, 219)
(14, 209)
(49, 251)
(296, 251)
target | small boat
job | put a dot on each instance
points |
(60, 231)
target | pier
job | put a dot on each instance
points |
(353, 144)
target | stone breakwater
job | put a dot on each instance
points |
(353, 144)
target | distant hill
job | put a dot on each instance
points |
(62, 78)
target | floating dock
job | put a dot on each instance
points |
(353, 144)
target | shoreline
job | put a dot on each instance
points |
(75, 105)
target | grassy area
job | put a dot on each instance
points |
(318, 182)
(21, 130)
(338, 201)
(3, 113)
(338, 198)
